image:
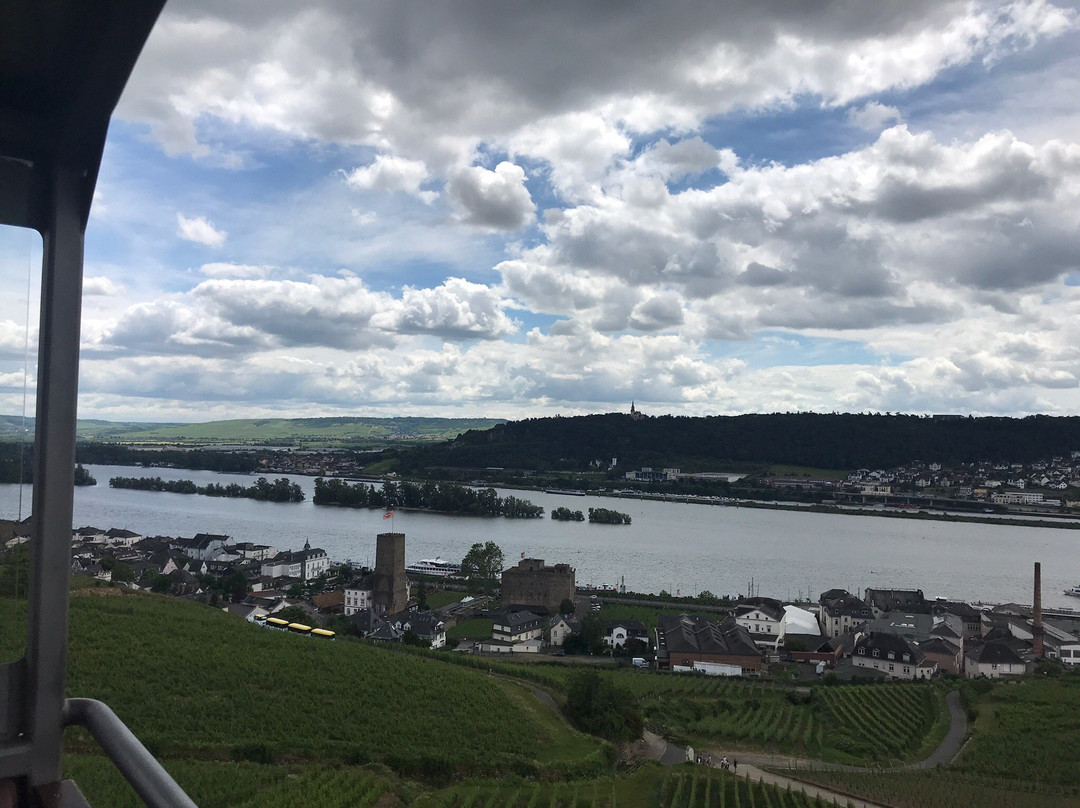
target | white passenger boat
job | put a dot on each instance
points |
(434, 566)
(1073, 591)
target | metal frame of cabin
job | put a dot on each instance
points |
(63, 65)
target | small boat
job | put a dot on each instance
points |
(434, 566)
(1074, 591)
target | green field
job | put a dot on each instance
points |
(1023, 752)
(438, 598)
(343, 431)
(191, 681)
(247, 785)
(477, 629)
(862, 724)
(244, 716)
(946, 789)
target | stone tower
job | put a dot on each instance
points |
(390, 592)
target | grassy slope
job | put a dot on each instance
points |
(1023, 752)
(271, 430)
(196, 683)
(193, 681)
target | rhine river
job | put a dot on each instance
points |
(679, 547)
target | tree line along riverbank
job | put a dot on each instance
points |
(280, 490)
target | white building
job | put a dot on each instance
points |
(761, 617)
(359, 595)
(1070, 653)
(799, 624)
(313, 561)
(253, 552)
(516, 627)
(891, 655)
(1017, 498)
(561, 627)
(305, 564)
(993, 660)
(118, 537)
(203, 546)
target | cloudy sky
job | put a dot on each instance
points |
(510, 210)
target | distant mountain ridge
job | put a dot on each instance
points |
(824, 441)
(329, 431)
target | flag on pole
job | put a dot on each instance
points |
(522, 553)
(388, 515)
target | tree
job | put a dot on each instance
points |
(235, 585)
(483, 566)
(410, 637)
(595, 704)
(567, 606)
(421, 596)
(294, 614)
(593, 631)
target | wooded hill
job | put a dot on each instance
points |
(835, 441)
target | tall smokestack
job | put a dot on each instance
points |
(1036, 620)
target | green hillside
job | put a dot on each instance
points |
(750, 442)
(269, 431)
(245, 716)
(191, 680)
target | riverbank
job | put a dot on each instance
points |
(1001, 516)
(1006, 517)
(670, 546)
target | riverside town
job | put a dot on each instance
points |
(539, 404)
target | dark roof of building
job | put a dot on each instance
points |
(635, 628)
(833, 594)
(845, 643)
(423, 624)
(329, 600)
(888, 600)
(885, 644)
(844, 603)
(365, 620)
(938, 645)
(688, 634)
(964, 611)
(768, 606)
(945, 631)
(994, 653)
(516, 619)
(120, 533)
(906, 624)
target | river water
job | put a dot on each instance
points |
(679, 547)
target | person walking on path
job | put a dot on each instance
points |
(735, 765)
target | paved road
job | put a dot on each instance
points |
(754, 764)
(949, 748)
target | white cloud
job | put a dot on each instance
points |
(457, 309)
(227, 270)
(660, 191)
(103, 286)
(435, 84)
(873, 117)
(389, 173)
(496, 200)
(199, 230)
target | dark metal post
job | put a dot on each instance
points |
(57, 392)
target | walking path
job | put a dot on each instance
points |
(755, 764)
